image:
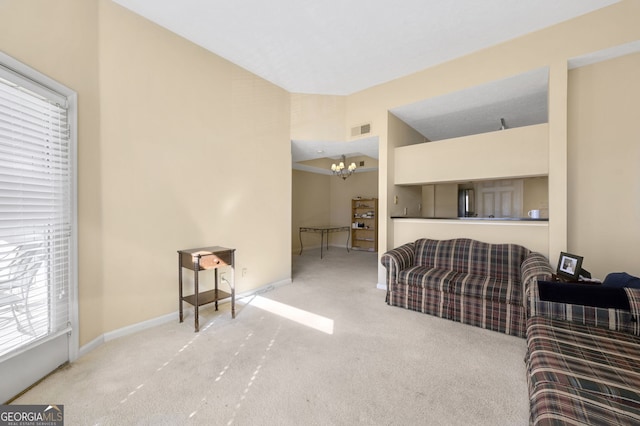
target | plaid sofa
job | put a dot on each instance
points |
(465, 280)
(582, 374)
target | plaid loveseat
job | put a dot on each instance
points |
(465, 280)
(582, 374)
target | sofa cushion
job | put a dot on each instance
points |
(423, 277)
(500, 261)
(592, 360)
(487, 288)
(553, 405)
(481, 287)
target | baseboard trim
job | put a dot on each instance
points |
(94, 344)
(264, 288)
(134, 328)
(173, 316)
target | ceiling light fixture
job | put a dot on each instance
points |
(340, 171)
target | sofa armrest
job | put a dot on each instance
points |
(534, 267)
(396, 260)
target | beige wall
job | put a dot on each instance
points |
(604, 165)
(446, 196)
(395, 200)
(310, 205)
(195, 152)
(177, 149)
(522, 151)
(532, 235)
(536, 195)
(318, 117)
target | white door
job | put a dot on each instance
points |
(500, 198)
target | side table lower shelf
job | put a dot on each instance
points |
(206, 297)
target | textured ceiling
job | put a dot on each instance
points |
(339, 47)
(519, 100)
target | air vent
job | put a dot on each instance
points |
(361, 130)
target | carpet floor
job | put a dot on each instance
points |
(324, 350)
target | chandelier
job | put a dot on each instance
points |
(340, 171)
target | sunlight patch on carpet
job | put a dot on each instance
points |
(306, 318)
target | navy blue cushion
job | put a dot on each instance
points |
(621, 279)
(583, 294)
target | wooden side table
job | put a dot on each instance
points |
(200, 259)
(559, 279)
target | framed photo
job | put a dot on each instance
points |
(569, 266)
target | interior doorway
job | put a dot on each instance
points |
(321, 198)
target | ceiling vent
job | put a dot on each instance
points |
(361, 130)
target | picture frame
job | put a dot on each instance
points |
(569, 266)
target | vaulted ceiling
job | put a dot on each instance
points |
(338, 47)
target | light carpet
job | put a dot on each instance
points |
(324, 350)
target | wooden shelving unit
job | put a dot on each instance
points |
(364, 225)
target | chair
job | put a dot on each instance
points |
(18, 269)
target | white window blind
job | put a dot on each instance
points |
(35, 212)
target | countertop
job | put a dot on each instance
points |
(521, 219)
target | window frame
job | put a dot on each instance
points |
(48, 87)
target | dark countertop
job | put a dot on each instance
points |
(520, 219)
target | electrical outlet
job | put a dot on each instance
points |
(244, 272)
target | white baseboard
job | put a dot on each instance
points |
(134, 328)
(264, 288)
(173, 316)
(91, 345)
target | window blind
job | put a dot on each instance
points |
(35, 212)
